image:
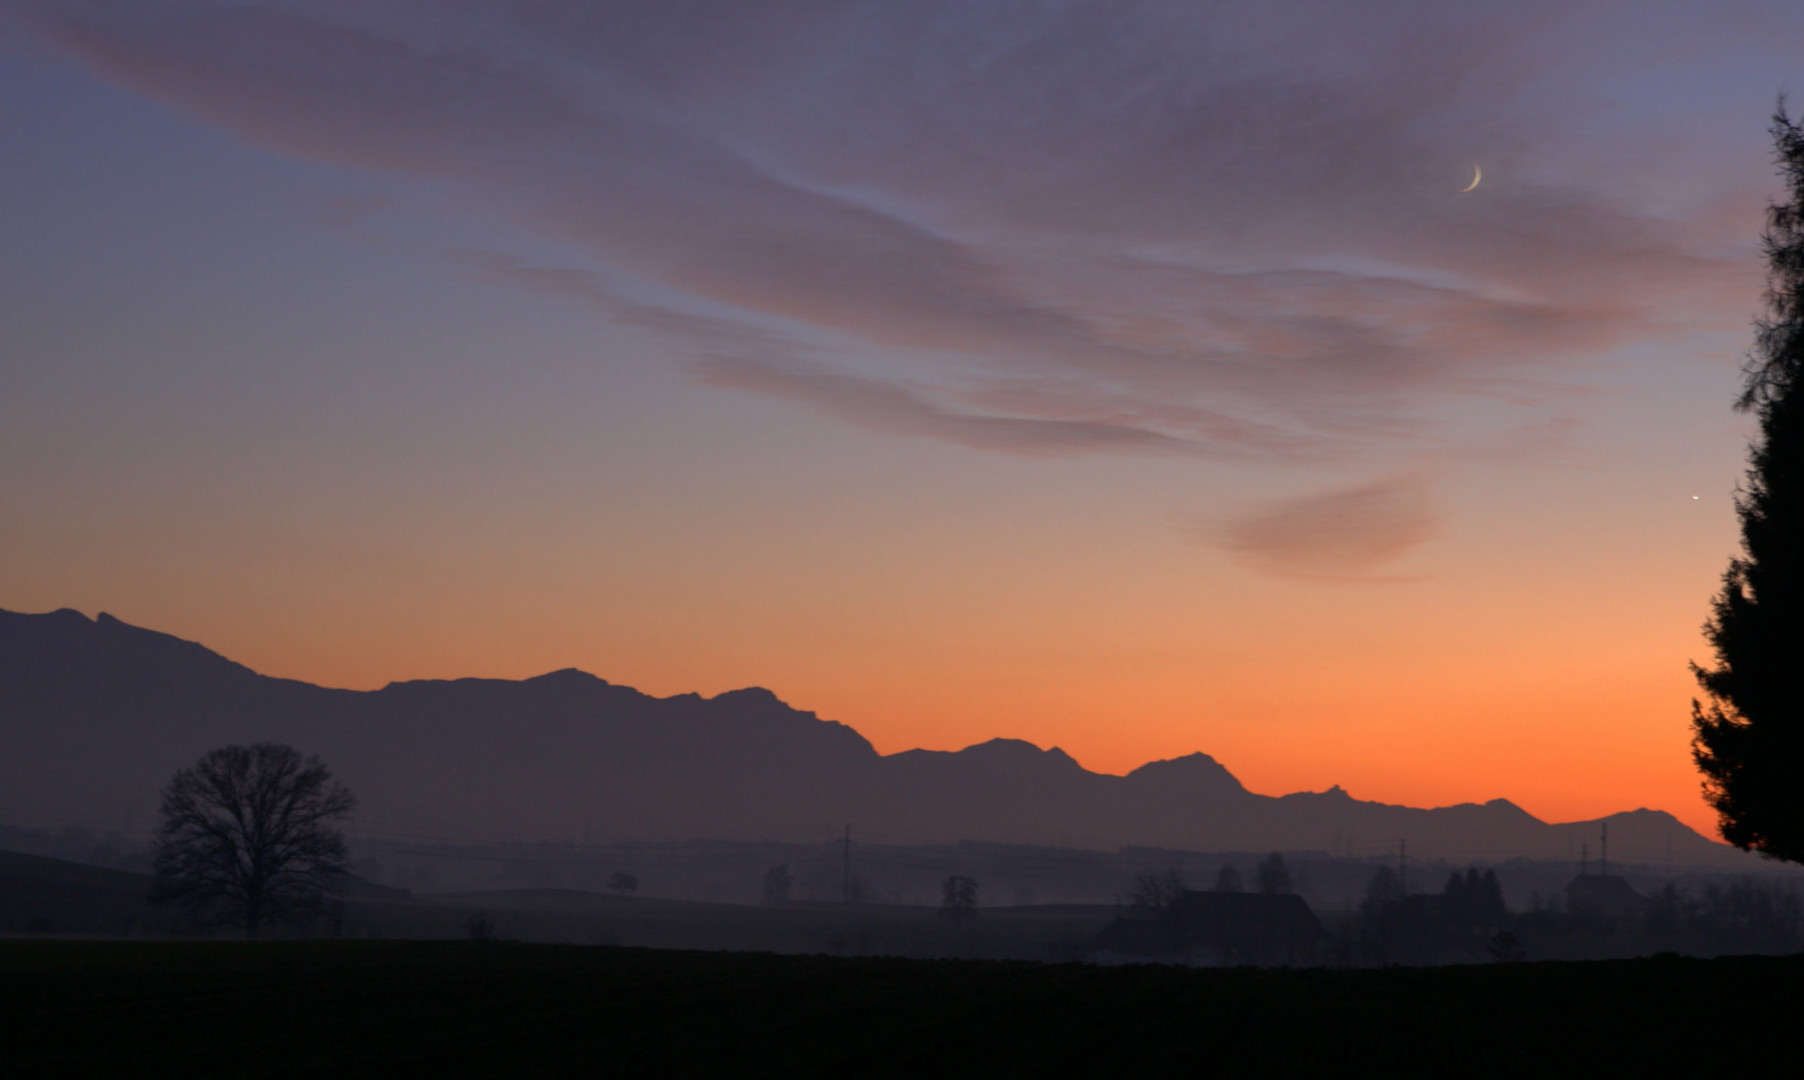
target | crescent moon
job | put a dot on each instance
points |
(1477, 175)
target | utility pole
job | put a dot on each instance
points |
(1403, 867)
(1604, 860)
(845, 884)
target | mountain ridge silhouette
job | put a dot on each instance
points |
(97, 714)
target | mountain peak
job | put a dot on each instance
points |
(993, 754)
(1197, 770)
(568, 677)
(68, 641)
(753, 703)
(752, 696)
(1506, 805)
(1017, 750)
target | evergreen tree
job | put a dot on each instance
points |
(1455, 898)
(1384, 890)
(1487, 896)
(1473, 898)
(1749, 740)
(1274, 876)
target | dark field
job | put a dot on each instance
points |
(552, 916)
(50, 896)
(504, 1009)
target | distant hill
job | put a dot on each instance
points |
(53, 896)
(95, 715)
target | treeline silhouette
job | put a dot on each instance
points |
(1467, 921)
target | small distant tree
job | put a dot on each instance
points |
(480, 927)
(778, 885)
(1383, 889)
(1152, 893)
(1666, 910)
(1273, 875)
(248, 837)
(1474, 898)
(1228, 880)
(623, 882)
(958, 898)
(1749, 736)
(1378, 908)
(1486, 894)
(1506, 948)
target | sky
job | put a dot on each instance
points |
(1130, 377)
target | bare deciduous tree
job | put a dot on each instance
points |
(1153, 893)
(247, 837)
(958, 898)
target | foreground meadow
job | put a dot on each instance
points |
(498, 1008)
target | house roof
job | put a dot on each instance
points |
(1602, 892)
(1244, 911)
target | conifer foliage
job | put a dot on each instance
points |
(1749, 733)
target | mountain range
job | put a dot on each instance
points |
(95, 715)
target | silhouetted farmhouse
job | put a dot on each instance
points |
(1603, 896)
(1220, 929)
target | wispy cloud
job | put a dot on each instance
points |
(1343, 535)
(885, 406)
(1145, 227)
